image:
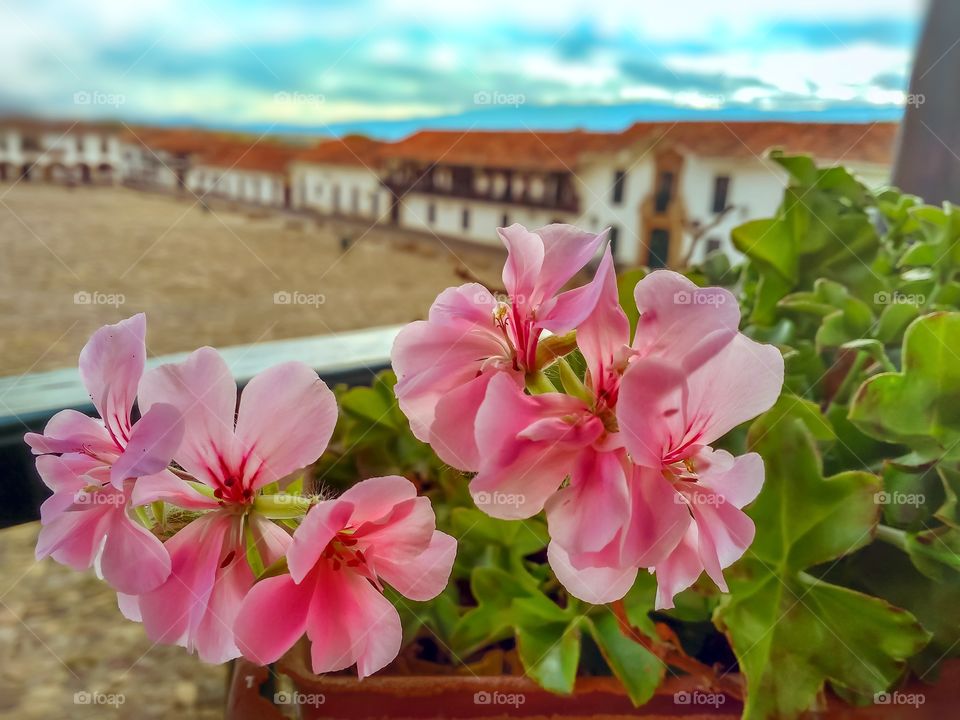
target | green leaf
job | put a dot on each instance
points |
(626, 282)
(549, 652)
(637, 668)
(790, 631)
(367, 404)
(919, 406)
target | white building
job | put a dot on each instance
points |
(669, 192)
(62, 152)
(250, 173)
(341, 178)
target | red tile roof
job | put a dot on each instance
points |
(842, 142)
(262, 156)
(868, 142)
(507, 149)
(356, 150)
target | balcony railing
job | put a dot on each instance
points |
(27, 402)
(563, 201)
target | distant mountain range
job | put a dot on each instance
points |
(554, 117)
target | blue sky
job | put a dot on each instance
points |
(393, 65)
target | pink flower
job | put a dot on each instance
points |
(533, 443)
(444, 363)
(377, 531)
(642, 482)
(92, 480)
(111, 364)
(284, 422)
(674, 402)
(87, 515)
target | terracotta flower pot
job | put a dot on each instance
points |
(259, 693)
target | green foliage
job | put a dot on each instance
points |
(777, 615)
(853, 579)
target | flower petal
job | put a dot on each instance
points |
(679, 570)
(374, 498)
(286, 604)
(424, 576)
(603, 335)
(659, 517)
(71, 431)
(566, 250)
(528, 447)
(595, 585)
(586, 515)
(676, 315)
(320, 524)
(521, 273)
(202, 389)
(134, 560)
(153, 441)
(111, 364)
(286, 417)
(351, 622)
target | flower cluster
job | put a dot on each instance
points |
(619, 456)
(246, 567)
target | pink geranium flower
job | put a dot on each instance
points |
(671, 409)
(92, 480)
(533, 443)
(87, 517)
(445, 363)
(377, 531)
(111, 365)
(284, 422)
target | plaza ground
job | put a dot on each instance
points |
(203, 276)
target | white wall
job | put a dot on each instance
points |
(595, 182)
(316, 187)
(484, 217)
(249, 186)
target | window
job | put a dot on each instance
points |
(431, 213)
(465, 219)
(713, 244)
(721, 187)
(664, 191)
(355, 200)
(659, 250)
(619, 178)
(318, 190)
(336, 198)
(374, 204)
(505, 220)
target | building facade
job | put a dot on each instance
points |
(670, 193)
